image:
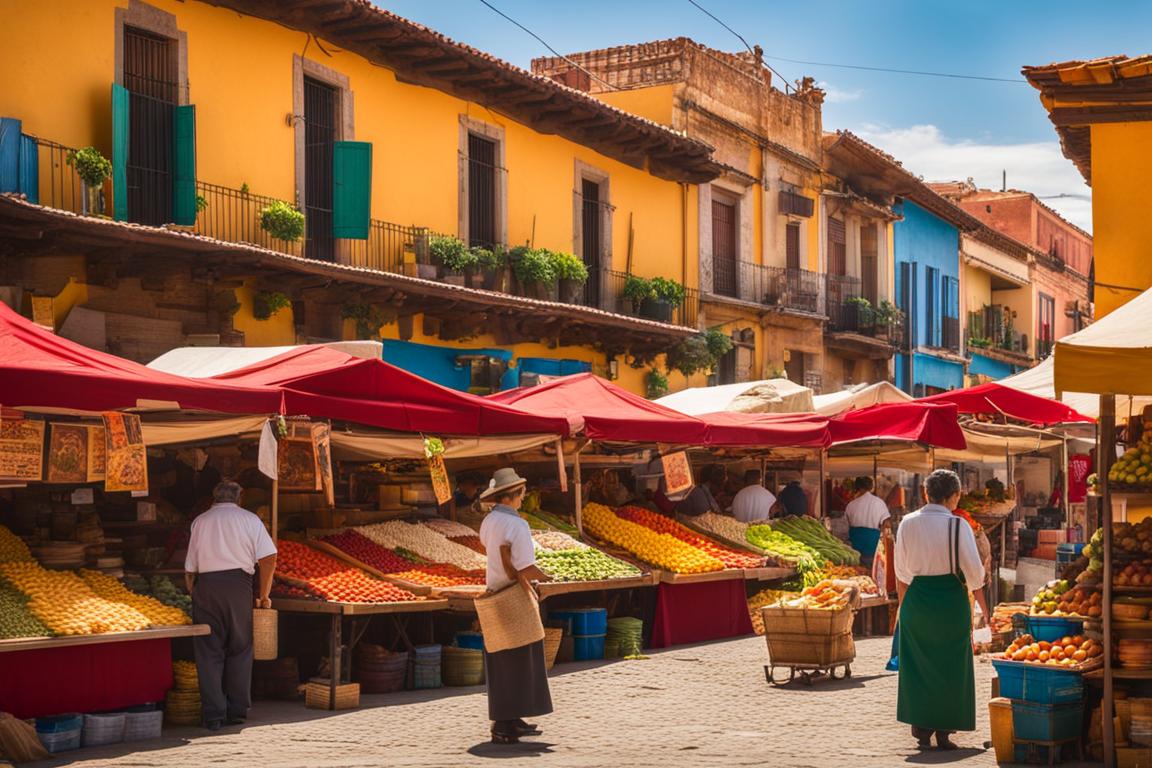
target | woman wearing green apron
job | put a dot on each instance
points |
(867, 515)
(936, 565)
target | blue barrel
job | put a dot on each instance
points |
(588, 648)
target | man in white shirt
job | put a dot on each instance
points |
(866, 516)
(753, 502)
(227, 544)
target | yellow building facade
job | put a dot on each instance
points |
(250, 77)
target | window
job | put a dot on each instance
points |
(152, 81)
(905, 293)
(320, 130)
(482, 204)
(792, 245)
(950, 325)
(591, 238)
(837, 248)
(869, 262)
(724, 247)
(795, 204)
(1046, 326)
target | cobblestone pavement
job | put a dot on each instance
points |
(705, 705)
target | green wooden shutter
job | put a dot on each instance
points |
(119, 152)
(351, 189)
(184, 164)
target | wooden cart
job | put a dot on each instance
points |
(809, 643)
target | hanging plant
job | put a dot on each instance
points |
(656, 384)
(368, 319)
(265, 304)
(700, 352)
(91, 166)
(668, 290)
(282, 221)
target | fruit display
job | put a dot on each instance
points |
(67, 605)
(556, 541)
(761, 599)
(660, 549)
(425, 542)
(808, 531)
(827, 595)
(1059, 598)
(1069, 651)
(386, 561)
(110, 588)
(1002, 614)
(540, 520)
(1134, 574)
(1134, 468)
(12, 548)
(731, 558)
(722, 525)
(284, 589)
(807, 561)
(334, 579)
(16, 620)
(585, 564)
(449, 528)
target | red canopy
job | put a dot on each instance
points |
(604, 411)
(996, 399)
(931, 423)
(40, 369)
(323, 382)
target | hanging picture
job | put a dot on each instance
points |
(440, 482)
(321, 438)
(125, 456)
(97, 451)
(67, 453)
(21, 449)
(677, 472)
(43, 313)
(297, 465)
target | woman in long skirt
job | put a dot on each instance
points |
(937, 566)
(517, 677)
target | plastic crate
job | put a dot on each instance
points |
(1051, 628)
(1047, 722)
(584, 622)
(473, 640)
(143, 723)
(103, 729)
(60, 741)
(588, 648)
(426, 667)
(1038, 684)
(57, 723)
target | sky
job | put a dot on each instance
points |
(939, 128)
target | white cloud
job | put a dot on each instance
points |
(1038, 167)
(834, 95)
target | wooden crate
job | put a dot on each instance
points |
(318, 695)
(785, 650)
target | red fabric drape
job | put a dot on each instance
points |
(84, 678)
(929, 423)
(994, 399)
(696, 613)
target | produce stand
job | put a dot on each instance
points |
(67, 641)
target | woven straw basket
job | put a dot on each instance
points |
(552, 638)
(509, 619)
(265, 640)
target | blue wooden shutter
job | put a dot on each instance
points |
(351, 189)
(184, 166)
(9, 154)
(119, 152)
(30, 169)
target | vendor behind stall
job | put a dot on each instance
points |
(867, 516)
(793, 500)
(227, 544)
(703, 497)
(753, 502)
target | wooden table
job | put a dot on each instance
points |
(338, 611)
(868, 614)
(768, 573)
(460, 599)
(156, 633)
(728, 574)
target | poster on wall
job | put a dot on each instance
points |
(125, 457)
(97, 451)
(677, 472)
(21, 449)
(67, 453)
(1079, 467)
(322, 439)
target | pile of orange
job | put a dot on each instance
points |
(1068, 651)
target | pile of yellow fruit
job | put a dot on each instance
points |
(660, 549)
(66, 605)
(1134, 468)
(761, 599)
(111, 589)
(12, 548)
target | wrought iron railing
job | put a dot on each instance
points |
(59, 185)
(683, 313)
(233, 215)
(794, 289)
(990, 328)
(846, 312)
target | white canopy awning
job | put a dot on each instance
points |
(858, 396)
(766, 396)
(202, 362)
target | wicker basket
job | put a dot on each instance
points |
(461, 666)
(318, 695)
(785, 650)
(779, 619)
(265, 640)
(552, 638)
(509, 619)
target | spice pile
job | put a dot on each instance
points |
(333, 579)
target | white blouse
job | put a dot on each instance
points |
(503, 525)
(922, 547)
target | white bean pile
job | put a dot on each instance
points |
(424, 542)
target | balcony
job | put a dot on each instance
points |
(233, 216)
(792, 290)
(854, 322)
(990, 330)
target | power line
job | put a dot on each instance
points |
(740, 37)
(543, 42)
(897, 71)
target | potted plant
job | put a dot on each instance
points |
(979, 343)
(572, 274)
(282, 221)
(664, 296)
(535, 273)
(265, 304)
(93, 169)
(859, 314)
(656, 384)
(490, 270)
(700, 352)
(638, 290)
(453, 257)
(886, 316)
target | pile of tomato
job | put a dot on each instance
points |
(334, 580)
(730, 557)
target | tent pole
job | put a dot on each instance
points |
(578, 493)
(275, 508)
(1106, 454)
(1064, 489)
(823, 500)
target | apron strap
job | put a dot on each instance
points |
(954, 548)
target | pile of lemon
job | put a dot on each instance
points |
(12, 548)
(67, 606)
(660, 549)
(111, 589)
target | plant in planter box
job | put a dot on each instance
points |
(886, 315)
(638, 290)
(572, 273)
(535, 272)
(979, 343)
(860, 314)
(491, 269)
(665, 296)
(453, 256)
(282, 221)
(656, 384)
(267, 303)
(93, 169)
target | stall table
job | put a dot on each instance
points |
(88, 673)
(338, 611)
(874, 613)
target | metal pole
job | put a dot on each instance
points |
(578, 493)
(1106, 451)
(1064, 489)
(275, 508)
(822, 501)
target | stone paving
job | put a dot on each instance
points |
(704, 705)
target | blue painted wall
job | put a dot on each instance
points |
(928, 242)
(438, 364)
(986, 366)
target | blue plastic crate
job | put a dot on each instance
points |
(59, 723)
(1051, 628)
(1047, 722)
(588, 648)
(473, 640)
(584, 622)
(1038, 684)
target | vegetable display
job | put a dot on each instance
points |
(16, 620)
(585, 564)
(555, 540)
(827, 595)
(731, 558)
(660, 549)
(806, 560)
(370, 553)
(333, 579)
(425, 542)
(161, 588)
(808, 531)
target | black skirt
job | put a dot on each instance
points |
(517, 683)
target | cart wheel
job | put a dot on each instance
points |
(847, 671)
(807, 678)
(832, 674)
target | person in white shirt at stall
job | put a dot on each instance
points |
(753, 502)
(867, 517)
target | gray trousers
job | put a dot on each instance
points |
(223, 601)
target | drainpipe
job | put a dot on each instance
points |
(684, 233)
